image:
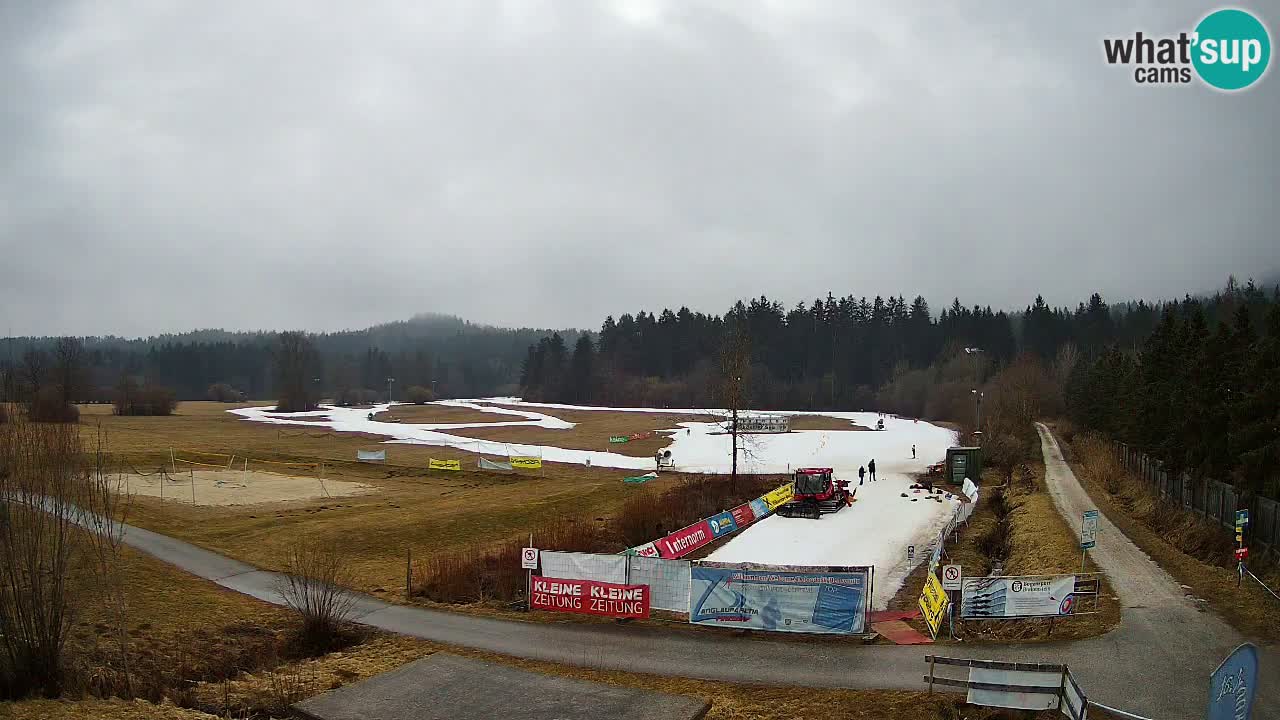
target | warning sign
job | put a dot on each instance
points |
(933, 603)
(951, 577)
(529, 558)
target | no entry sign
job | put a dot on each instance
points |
(951, 575)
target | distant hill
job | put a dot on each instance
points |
(462, 358)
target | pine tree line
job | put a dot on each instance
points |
(1201, 393)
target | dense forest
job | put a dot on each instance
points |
(1201, 393)
(456, 358)
(837, 353)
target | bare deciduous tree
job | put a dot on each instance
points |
(297, 367)
(735, 366)
(316, 574)
(53, 505)
(70, 369)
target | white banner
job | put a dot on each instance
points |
(490, 465)
(584, 566)
(668, 581)
(1018, 597)
(371, 455)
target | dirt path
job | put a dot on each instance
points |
(1163, 631)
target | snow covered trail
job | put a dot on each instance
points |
(356, 420)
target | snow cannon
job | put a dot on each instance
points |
(816, 491)
(663, 458)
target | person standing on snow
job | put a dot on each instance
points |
(872, 467)
(862, 472)
(913, 452)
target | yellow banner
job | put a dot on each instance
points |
(779, 497)
(933, 603)
(434, 464)
(526, 462)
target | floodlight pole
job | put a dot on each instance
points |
(389, 381)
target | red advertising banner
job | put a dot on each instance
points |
(684, 541)
(742, 515)
(588, 597)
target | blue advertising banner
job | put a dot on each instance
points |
(722, 524)
(1233, 685)
(760, 508)
(787, 598)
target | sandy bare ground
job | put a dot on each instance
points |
(233, 487)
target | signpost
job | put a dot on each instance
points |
(952, 577)
(1233, 685)
(911, 553)
(1088, 534)
(1242, 551)
(529, 562)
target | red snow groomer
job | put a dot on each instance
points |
(816, 491)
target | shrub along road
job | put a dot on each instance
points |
(1157, 663)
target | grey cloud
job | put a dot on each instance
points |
(264, 165)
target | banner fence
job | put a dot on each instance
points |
(833, 600)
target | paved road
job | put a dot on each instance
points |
(1157, 663)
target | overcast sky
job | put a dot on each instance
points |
(165, 166)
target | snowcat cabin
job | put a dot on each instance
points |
(812, 481)
(815, 491)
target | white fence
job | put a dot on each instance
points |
(668, 580)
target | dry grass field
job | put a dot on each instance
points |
(407, 509)
(439, 414)
(593, 429)
(822, 422)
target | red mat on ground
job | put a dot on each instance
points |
(900, 633)
(887, 615)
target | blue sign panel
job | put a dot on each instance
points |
(779, 599)
(722, 524)
(1233, 685)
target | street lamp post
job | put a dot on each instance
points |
(977, 410)
(389, 381)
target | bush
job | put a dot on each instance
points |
(356, 396)
(49, 406)
(473, 575)
(144, 400)
(649, 515)
(418, 395)
(222, 392)
(316, 574)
